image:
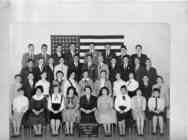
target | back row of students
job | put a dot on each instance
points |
(101, 69)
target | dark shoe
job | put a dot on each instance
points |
(162, 134)
(153, 133)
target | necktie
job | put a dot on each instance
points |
(156, 104)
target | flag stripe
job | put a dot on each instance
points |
(100, 47)
(101, 36)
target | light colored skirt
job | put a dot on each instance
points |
(106, 117)
(71, 115)
(138, 114)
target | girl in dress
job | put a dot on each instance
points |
(123, 106)
(156, 106)
(132, 85)
(38, 105)
(71, 113)
(88, 105)
(20, 106)
(55, 106)
(105, 113)
(138, 111)
(15, 86)
(102, 82)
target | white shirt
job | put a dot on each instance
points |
(152, 104)
(102, 82)
(61, 67)
(58, 98)
(120, 102)
(45, 84)
(20, 104)
(132, 85)
(117, 86)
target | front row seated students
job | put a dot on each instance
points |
(38, 106)
(55, 106)
(71, 112)
(156, 106)
(105, 114)
(123, 107)
(88, 105)
(19, 106)
(138, 111)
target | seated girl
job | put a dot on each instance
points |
(20, 106)
(138, 111)
(156, 105)
(105, 114)
(70, 113)
(122, 106)
(38, 106)
(88, 105)
(55, 106)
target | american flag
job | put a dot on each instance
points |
(82, 43)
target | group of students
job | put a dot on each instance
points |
(105, 89)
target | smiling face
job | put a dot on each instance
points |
(31, 48)
(88, 91)
(71, 92)
(139, 92)
(59, 48)
(44, 75)
(38, 92)
(104, 92)
(30, 76)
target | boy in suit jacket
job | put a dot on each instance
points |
(43, 54)
(75, 67)
(108, 54)
(69, 57)
(29, 55)
(113, 69)
(102, 66)
(125, 68)
(142, 57)
(91, 68)
(122, 54)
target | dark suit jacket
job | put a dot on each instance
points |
(94, 55)
(152, 75)
(120, 59)
(113, 72)
(28, 89)
(69, 58)
(107, 58)
(77, 70)
(92, 71)
(139, 73)
(38, 56)
(38, 72)
(26, 57)
(56, 58)
(50, 73)
(125, 72)
(25, 71)
(142, 59)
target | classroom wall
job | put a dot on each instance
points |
(108, 12)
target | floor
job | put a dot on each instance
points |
(131, 135)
